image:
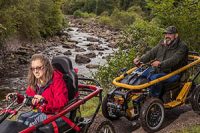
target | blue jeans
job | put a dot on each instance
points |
(31, 118)
(156, 89)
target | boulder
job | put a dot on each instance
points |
(93, 47)
(82, 59)
(112, 45)
(92, 39)
(90, 55)
(92, 66)
(69, 45)
(68, 52)
(79, 49)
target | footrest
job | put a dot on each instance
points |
(84, 121)
(172, 104)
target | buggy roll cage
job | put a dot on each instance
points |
(195, 60)
(95, 91)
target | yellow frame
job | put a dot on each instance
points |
(142, 86)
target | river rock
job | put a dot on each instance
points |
(89, 44)
(82, 59)
(100, 48)
(79, 49)
(63, 38)
(72, 41)
(55, 39)
(112, 45)
(90, 55)
(22, 60)
(93, 47)
(68, 52)
(92, 39)
(92, 66)
(69, 45)
(100, 53)
(70, 29)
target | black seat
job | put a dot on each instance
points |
(64, 65)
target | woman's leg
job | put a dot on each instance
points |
(33, 120)
(23, 116)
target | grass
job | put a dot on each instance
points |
(89, 107)
(192, 129)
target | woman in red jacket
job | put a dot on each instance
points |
(44, 84)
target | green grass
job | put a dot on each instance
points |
(192, 129)
(89, 107)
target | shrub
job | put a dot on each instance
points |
(108, 72)
(122, 19)
(118, 19)
(31, 19)
(178, 13)
(70, 6)
(80, 14)
(90, 6)
(51, 17)
(106, 20)
(141, 35)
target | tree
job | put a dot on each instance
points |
(184, 14)
(90, 6)
(105, 5)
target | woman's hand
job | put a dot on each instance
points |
(11, 95)
(36, 99)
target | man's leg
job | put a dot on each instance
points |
(157, 88)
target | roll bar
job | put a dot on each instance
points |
(142, 86)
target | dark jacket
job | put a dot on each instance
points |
(171, 57)
(56, 94)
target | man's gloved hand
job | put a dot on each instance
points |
(156, 63)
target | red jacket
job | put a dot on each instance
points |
(55, 95)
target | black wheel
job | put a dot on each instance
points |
(152, 114)
(195, 100)
(106, 112)
(106, 127)
(101, 125)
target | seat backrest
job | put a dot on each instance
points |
(64, 65)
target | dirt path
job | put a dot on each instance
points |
(175, 119)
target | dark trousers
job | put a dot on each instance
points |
(150, 74)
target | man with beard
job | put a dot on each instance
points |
(170, 54)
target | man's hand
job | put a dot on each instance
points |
(37, 99)
(156, 63)
(136, 61)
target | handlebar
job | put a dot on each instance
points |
(12, 109)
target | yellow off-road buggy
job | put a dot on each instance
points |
(133, 100)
